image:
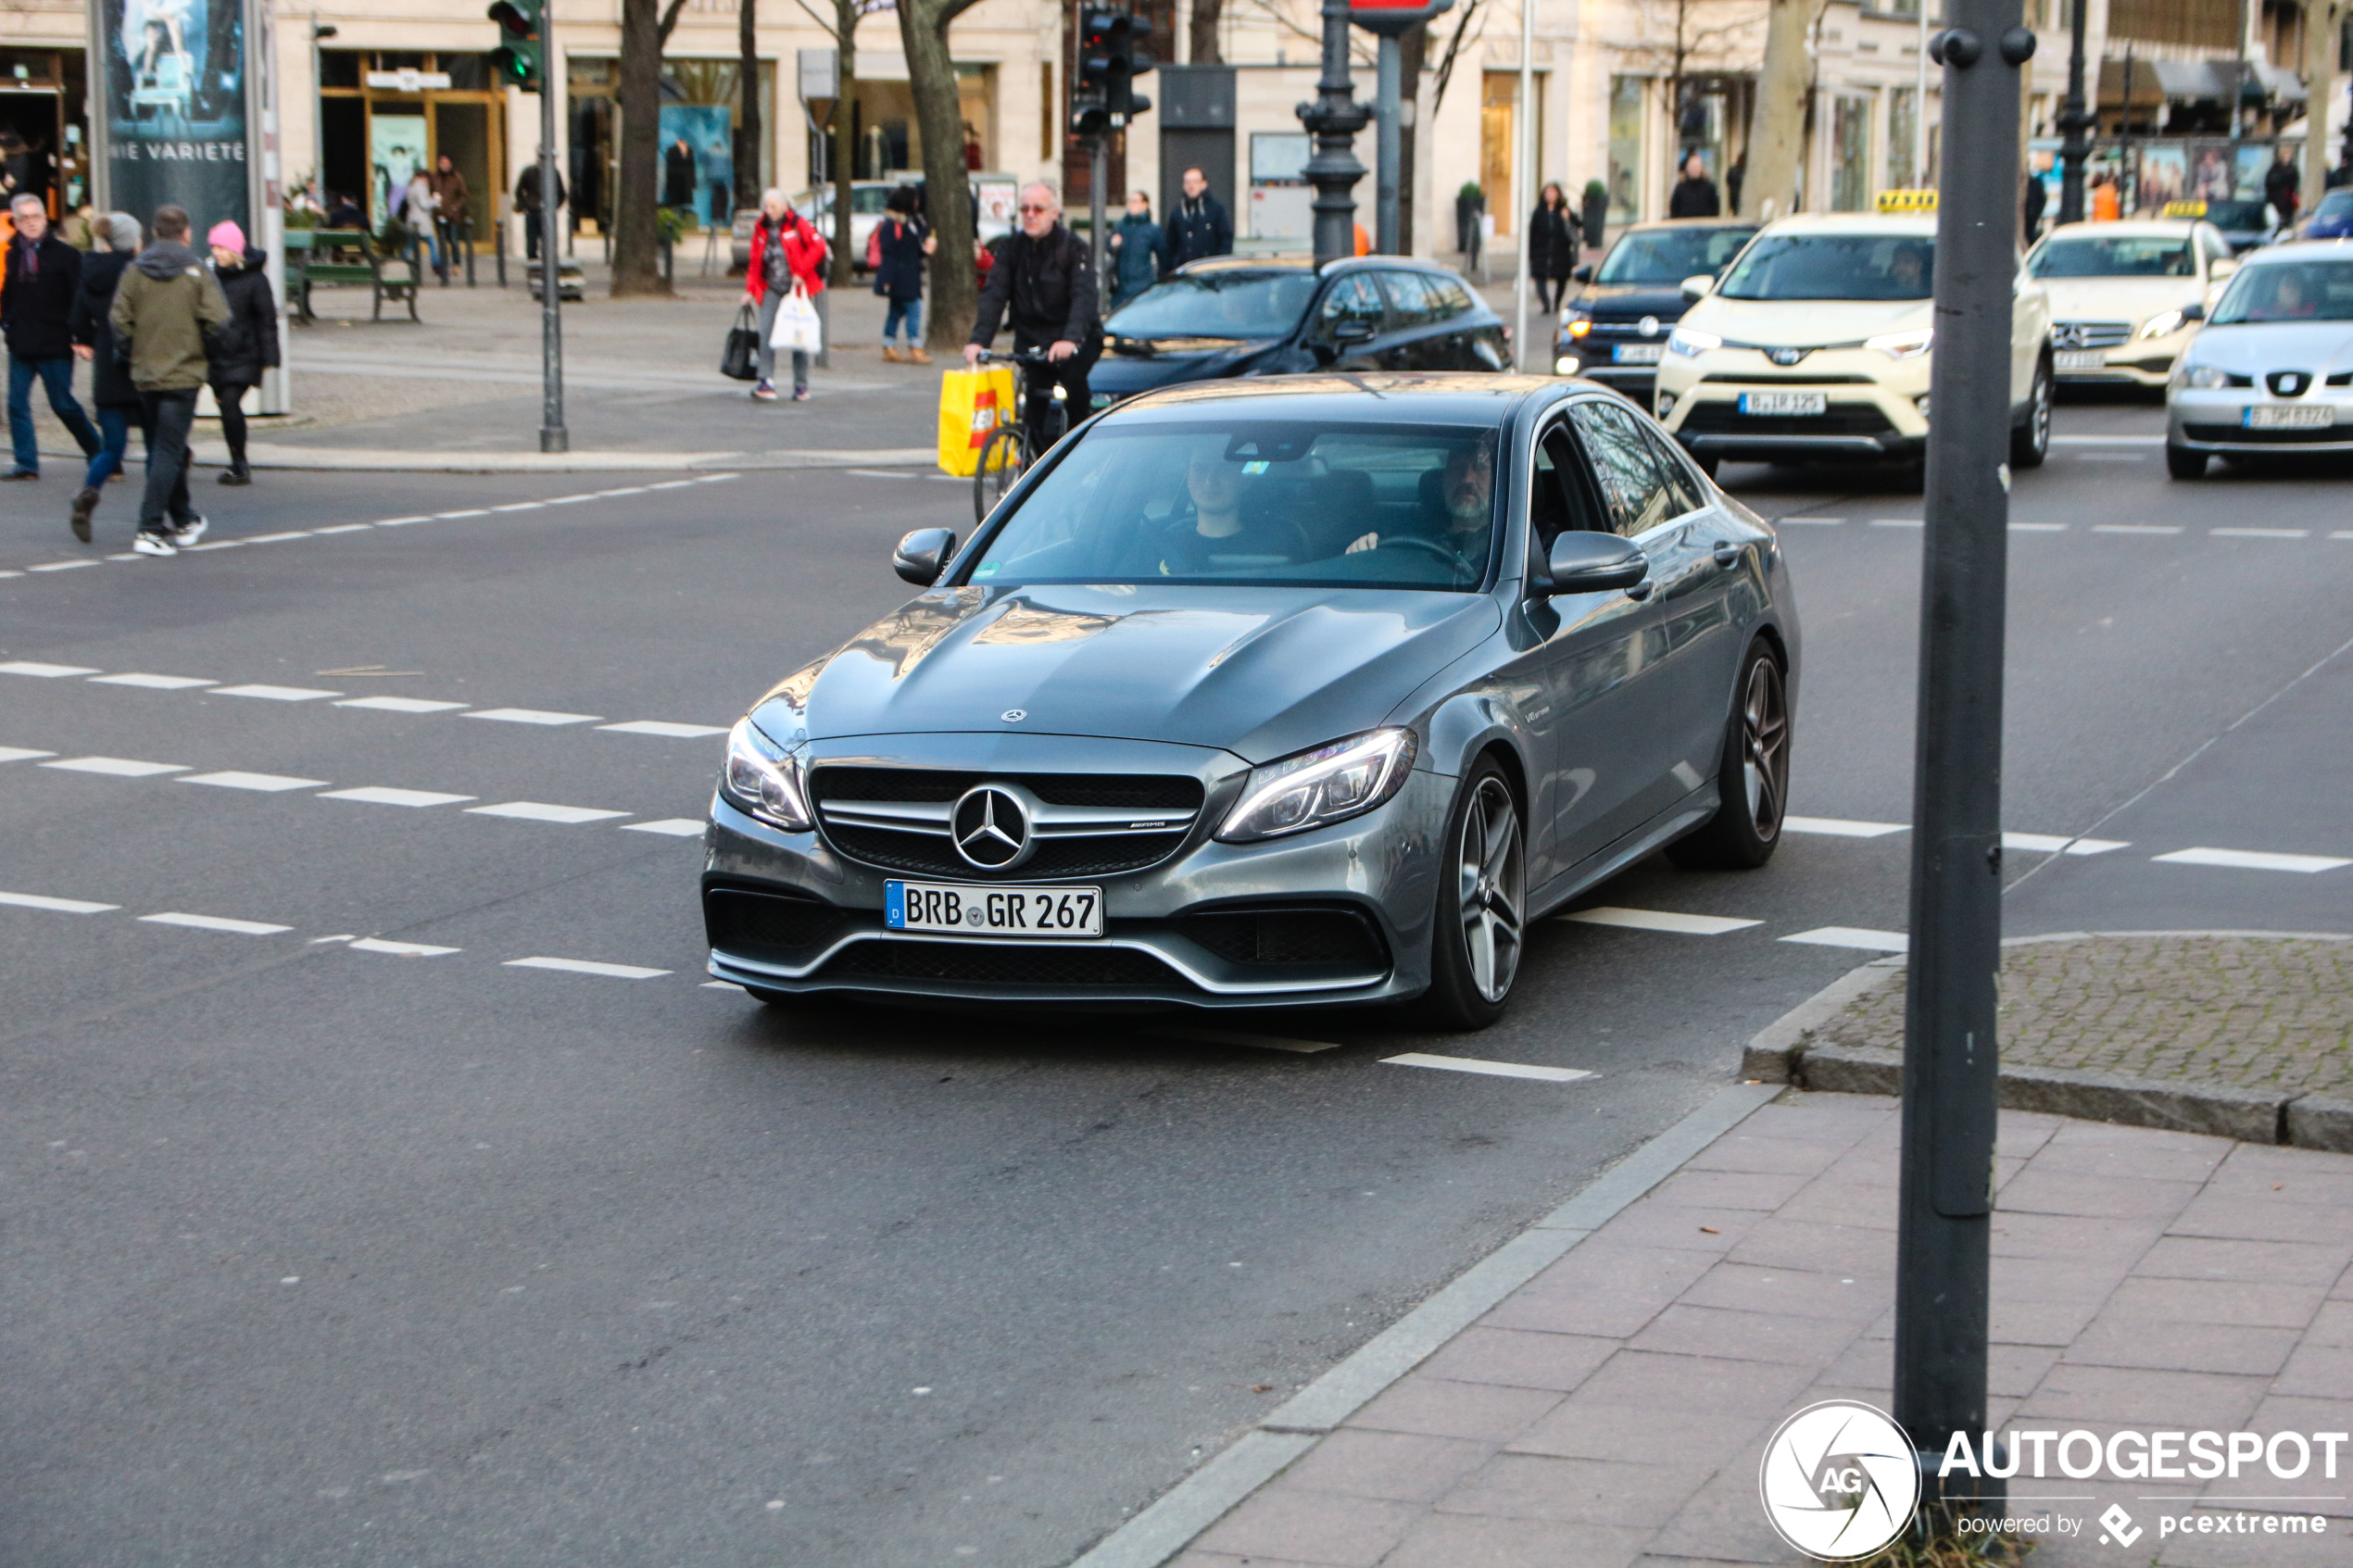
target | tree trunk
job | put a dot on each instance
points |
(948, 201)
(1777, 146)
(636, 264)
(1412, 49)
(2324, 25)
(748, 140)
(844, 135)
(1201, 45)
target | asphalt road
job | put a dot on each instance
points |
(352, 1240)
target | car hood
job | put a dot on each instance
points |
(2323, 347)
(1805, 323)
(1632, 302)
(2116, 300)
(1133, 364)
(1261, 672)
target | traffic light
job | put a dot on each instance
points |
(1109, 61)
(1088, 115)
(519, 60)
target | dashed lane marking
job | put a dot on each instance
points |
(673, 827)
(520, 506)
(56, 905)
(531, 716)
(151, 683)
(42, 672)
(273, 694)
(1488, 1068)
(2038, 528)
(1231, 1037)
(586, 966)
(539, 812)
(400, 950)
(399, 704)
(377, 795)
(2253, 861)
(2060, 844)
(61, 565)
(402, 521)
(116, 767)
(216, 922)
(477, 511)
(276, 539)
(1853, 937)
(267, 783)
(2135, 528)
(344, 528)
(664, 727)
(1813, 522)
(1840, 827)
(2260, 532)
(1899, 522)
(1660, 920)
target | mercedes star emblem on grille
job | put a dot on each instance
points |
(992, 828)
(2071, 335)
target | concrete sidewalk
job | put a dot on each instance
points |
(1613, 1409)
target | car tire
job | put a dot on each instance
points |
(2031, 442)
(1480, 924)
(2183, 463)
(1752, 776)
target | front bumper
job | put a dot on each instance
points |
(2214, 421)
(1872, 406)
(1170, 929)
(2137, 362)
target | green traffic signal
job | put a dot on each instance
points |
(520, 58)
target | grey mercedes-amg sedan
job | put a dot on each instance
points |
(1307, 690)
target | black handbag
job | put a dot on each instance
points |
(740, 360)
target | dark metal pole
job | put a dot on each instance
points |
(2129, 196)
(1334, 118)
(1389, 143)
(553, 436)
(1095, 177)
(1942, 1237)
(2072, 122)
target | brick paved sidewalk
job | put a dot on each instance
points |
(1613, 1410)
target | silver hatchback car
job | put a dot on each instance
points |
(2270, 373)
(1306, 690)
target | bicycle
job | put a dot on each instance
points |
(1006, 455)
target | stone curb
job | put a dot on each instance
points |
(374, 460)
(1169, 1525)
(1784, 1053)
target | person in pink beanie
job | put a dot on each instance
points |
(246, 344)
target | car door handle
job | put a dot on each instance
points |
(1727, 555)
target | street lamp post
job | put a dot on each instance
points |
(553, 436)
(2072, 122)
(1334, 118)
(319, 109)
(1942, 1295)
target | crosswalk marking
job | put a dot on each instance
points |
(399, 704)
(539, 812)
(377, 795)
(2253, 861)
(673, 827)
(2054, 844)
(1840, 827)
(269, 783)
(1488, 1068)
(531, 716)
(274, 693)
(42, 672)
(1660, 920)
(150, 683)
(56, 905)
(216, 922)
(116, 767)
(664, 728)
(1853, 937)
(586, 966)
(400, 950)
(21, 754)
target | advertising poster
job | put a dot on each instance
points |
(2253, 162)
(698, 161)
(2211, 178)
(174, 108)
(2164, 175)
(395, 151)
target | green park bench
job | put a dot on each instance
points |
(349, 255)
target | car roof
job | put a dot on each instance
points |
(1448, 399)
(1656, 225)
(2170, 228)
(1922, 226)
(2332, 248)
(1307, 263)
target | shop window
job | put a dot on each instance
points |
(467, 73)
(339, 67)
(1903, 127)
(1626, 102)
(1850, 154)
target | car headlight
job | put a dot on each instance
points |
(761, 777)
(1568, 365)
(2208, 377)
(1903, 346)
(1578, 322)
(1331, 783)
(1691, 343)
(2165, 323)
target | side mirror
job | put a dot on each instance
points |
(1354, 331)
(1589, 563)
(1584, 272)
(2194, 312)
(921, 553)
(1698, 286)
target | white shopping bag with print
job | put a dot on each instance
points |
(797, 327)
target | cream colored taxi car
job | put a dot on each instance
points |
(1816, 346)
(2127, 297)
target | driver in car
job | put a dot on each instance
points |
(1466, 507)
(1218, 526)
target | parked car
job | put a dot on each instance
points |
(2247, 224)
(2271, 371)
(2126, 297)
(1253, 316)
(2333, 219)
(1313, 690)
(868, 199)
(1614, 328)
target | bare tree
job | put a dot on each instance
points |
(1681, 37)
(845, 31)
(644, 28)
(748, 138)
(1453, 52)
(1776, 143)
(1203, 49)
(939, 118)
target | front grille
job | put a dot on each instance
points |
(2090, 334)
(777, 926)
(2239, 435)
(1842, 418)
(1286, 936)
(1771, 378)
(1069, 849)
(2341, 378)
(982, 963)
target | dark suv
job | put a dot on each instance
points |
(1614, 328)
(1252, 316)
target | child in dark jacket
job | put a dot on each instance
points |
(246, 345)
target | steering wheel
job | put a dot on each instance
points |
(1411, 541)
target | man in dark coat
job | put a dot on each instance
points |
(1045, 276)
(36, 306)
(1140, 251)
(2030, 206)
(117, 401)
(678, 174)
(2283, 183)
(1197, 224)
(527, 202)
(1695, 194)
(245, 344)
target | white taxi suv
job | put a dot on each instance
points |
(1815, 347)
(2270, 374)
(2126, 297)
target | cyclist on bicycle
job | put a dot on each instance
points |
(1046, 277)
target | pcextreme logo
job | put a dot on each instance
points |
(1838, 1480)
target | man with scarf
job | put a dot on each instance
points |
(164, 308)
(1045, 276)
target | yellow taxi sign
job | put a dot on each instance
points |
(1908, 201)
(2182, 209)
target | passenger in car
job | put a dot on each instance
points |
(1221, 526)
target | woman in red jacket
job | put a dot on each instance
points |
(788, 258)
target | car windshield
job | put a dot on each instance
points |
(2288, 291)
(2138, 256)
(1218, 304)
(1257, 503)
(1834, 267)
(2241, 216)
(1669, 256)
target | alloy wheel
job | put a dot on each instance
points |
(1765, 747)
(1492, 874)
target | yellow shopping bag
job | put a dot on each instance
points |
(972, 404)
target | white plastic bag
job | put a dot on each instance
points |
(797, 327)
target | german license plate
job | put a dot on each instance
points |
(2270, 416)
(1633, 354)
(2082, 359)
(1785, 402)
(993, 912)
